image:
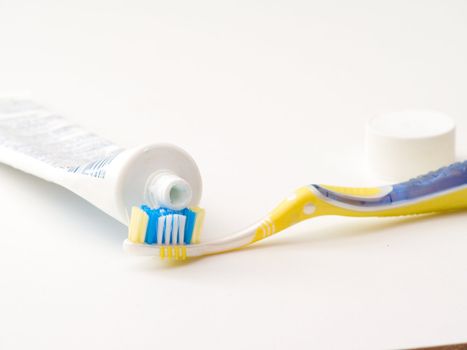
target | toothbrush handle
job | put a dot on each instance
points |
(441, 190)
(410, 197)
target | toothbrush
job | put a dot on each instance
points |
(175, 234)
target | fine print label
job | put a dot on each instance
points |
(32, 130)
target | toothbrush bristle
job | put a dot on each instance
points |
(166, 227)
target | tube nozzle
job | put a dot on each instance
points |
(166, 189)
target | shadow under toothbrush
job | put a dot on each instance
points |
(356, 228)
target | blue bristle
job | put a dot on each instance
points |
(189, 225)
(151, 228)
(151, 231)
(169, 238)
(155, 214)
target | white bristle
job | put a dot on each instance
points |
(160, 229)
(175, 229)
(181, 226)
(168, 228)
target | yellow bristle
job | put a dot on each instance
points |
(138, 224)
(169, 252)
(198, 224)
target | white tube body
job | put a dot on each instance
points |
(44, 144)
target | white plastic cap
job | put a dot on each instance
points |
(402, 145)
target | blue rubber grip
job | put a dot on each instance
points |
(452, 176)
(443, 179)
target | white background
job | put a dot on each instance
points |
(267, 96)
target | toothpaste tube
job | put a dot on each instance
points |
(43, 143)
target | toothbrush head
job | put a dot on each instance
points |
(170, 230)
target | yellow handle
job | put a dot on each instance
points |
(307, 202)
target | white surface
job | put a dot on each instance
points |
(267, 96)
(405, 144)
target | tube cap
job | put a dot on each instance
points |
(403, 145)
